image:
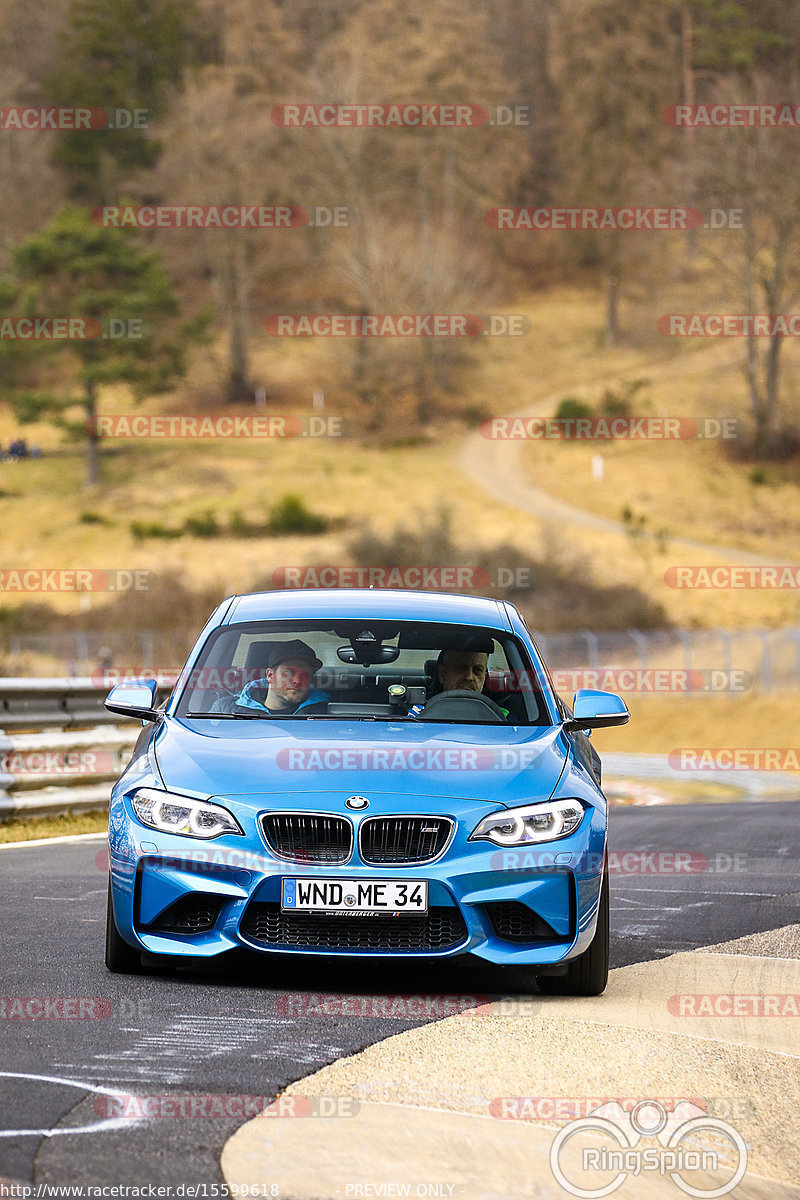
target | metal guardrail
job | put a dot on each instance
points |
(69, 767)
(62, 703)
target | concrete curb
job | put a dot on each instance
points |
(711, 1027)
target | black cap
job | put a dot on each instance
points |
(293, 649)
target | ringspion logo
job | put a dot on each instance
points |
(689, 1142)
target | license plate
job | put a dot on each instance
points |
(359, 897)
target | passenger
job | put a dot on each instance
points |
(286, 687)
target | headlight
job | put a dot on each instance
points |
(180, 814)
(534, 823)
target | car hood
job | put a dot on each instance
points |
(503, 765)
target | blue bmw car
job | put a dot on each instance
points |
(363, 773)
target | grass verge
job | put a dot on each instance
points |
(66, 825)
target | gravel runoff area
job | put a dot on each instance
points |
(465, 1107)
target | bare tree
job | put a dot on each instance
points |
(753, 172)
(615, 65)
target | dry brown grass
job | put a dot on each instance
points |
(364, 481)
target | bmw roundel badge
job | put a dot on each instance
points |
(357, 802)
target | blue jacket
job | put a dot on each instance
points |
(245, 700)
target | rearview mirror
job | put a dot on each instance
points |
(596, 710)
(136, 699)
(368, 654)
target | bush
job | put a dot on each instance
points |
(152, 529)
(571, 409)
(93, 518)
(290, 515)
(474, 414)
(619, 403)
(203, 525)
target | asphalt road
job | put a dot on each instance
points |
(225, 1030)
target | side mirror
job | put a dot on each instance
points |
(136, 699)
(596, 710)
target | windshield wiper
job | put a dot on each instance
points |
(249, 716)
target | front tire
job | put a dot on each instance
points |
(121, 958)
(586, 975)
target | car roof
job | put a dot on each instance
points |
(383, 603)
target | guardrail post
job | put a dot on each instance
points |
(591, 647)
(766, 659)
(5, 779)
(640, 642)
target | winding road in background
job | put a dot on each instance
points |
(496, 466)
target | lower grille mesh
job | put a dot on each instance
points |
(515, 922)
(190, 914)
(438, 929)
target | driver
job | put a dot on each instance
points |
(462, 669)
(459, 670)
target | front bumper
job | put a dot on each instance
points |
(517, 907)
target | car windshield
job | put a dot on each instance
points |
(364, 669)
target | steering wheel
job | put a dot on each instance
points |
(462, 704)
